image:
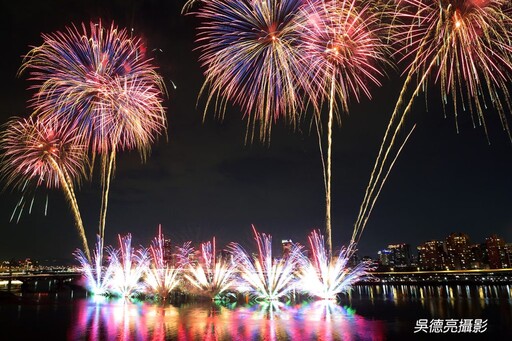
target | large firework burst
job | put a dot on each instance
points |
(465, 46)
(39, 150)
(101, 81)
(249, 52)
(45, 152)
(341, 44)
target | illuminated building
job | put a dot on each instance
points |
(395, 255)
(400, 255)
(497, 252)
(457, 251)
(286, 247)
(478, 256)
(431, 255)
(168, 254)
(384, 257)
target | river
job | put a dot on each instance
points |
(370, 312)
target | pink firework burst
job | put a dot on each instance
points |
(342, 45)
(45, 151)
(101, 80)
(465, 46)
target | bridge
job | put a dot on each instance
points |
(29, 277)
(483, 276)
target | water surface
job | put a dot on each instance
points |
(380, 312)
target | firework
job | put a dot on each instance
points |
(45, 152)
(250, 56)
(263, 276)
(184, 254)
(189, 4)
(129, 266)
(465, 46)
(325, 277)
(161, 277)
(97, 278)
(212, 276)
(343, 51)
(101, 81)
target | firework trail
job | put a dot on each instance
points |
(44, 152)
(250, 56)
(161, 277)
(97, 279)
(129, 266)
(263, 276)
(325, 277)
(189, 4)
(465, 46)
(212, 275)
(184, 254)
(101, 81)
(342, 49)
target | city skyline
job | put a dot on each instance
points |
(204, 181)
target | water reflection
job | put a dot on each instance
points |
(370, 313)
(126, 320)
(440, 301)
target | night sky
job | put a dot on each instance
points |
(202, 180)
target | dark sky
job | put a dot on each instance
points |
(203, 181)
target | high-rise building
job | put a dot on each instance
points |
(385, 257)
(509, 250)
(401, 254)
(457, 251)
(477, 256)
(395, 255)
(168, 254)
(431, 255)
(286, 247)
(497, 252)
(354, 260)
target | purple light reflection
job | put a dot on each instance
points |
(125, 320)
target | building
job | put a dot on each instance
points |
(168, 254)
(497, 252)
(286, 245)
(431, 255)
(395, 256)
(385, 257)
(401, 255)
(478, 256)
(457, 251)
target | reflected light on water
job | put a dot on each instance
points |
(128, 320)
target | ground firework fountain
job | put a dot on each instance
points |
(97, 278)
(265, 277)
(129, 266)
(161, 276)
(261, 276)
(212, 276)
(325, 277)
